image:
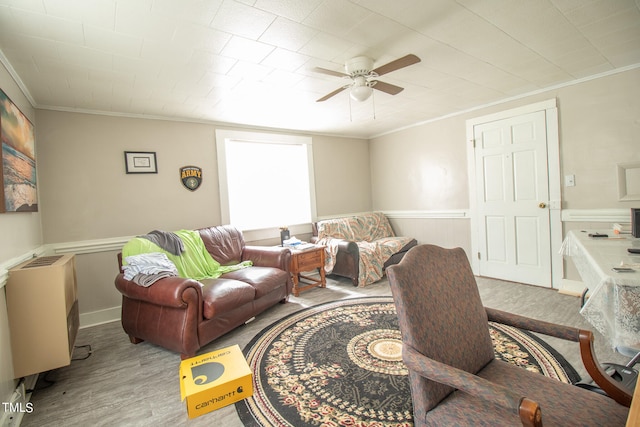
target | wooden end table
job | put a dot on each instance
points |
(307, 260)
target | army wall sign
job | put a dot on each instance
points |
(191, 177)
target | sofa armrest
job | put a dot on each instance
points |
(268, 256)
(168, 292)
(347, 246)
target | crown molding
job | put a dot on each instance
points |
(16, 78)
(515, 98)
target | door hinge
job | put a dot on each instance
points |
(479, 257)
(473, 141)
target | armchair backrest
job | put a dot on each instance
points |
(440, 314)
(225, 243)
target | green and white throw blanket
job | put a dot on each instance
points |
(193, 263)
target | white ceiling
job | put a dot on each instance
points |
(249, 61)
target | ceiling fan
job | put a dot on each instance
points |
(364, 77)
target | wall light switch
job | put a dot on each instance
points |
(569, 180)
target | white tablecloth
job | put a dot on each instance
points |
(613, 307)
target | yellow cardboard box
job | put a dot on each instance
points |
(213, 380)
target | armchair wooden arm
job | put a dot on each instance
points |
(615, 390)
(528, 410)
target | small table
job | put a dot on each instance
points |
(307, 260)
(614, 305)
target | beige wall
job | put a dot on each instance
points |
(20, 234)
(343, 180)
(421, 168)
(425, 167)
(86, 193)
(599, 127)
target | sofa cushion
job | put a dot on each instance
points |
(224, 294)
(225, 243)
(263, 279)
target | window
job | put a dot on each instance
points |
(266, 180)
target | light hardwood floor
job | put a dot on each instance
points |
(122, 384)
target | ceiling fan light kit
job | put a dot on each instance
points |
(361, 89)
(364, 77)
(360, 93)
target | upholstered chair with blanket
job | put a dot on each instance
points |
(456, 379)
(360, 247)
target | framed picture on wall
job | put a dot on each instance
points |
(18, 166)
(140, 162)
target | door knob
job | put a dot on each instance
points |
(542, 205)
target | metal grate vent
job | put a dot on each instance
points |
(44, 261)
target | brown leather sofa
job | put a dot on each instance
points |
(183, 315)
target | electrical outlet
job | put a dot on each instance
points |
(569, 180)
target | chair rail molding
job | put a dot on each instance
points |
(9, 264)
(89, 246)
(596, 215)
(429, 214)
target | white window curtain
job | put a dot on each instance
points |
(266, 180)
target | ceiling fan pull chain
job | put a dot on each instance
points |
(373, 103)
(350, 112)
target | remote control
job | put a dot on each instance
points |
(598, 235)
(623, 270)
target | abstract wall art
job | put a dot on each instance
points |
(18, 177)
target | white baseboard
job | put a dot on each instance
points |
(95, 318)
(571, 287)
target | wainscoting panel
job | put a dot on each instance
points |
(449, 229)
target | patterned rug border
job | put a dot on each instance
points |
(538, 348)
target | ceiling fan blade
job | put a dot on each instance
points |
(405, 61)
(329, 72)
(329, 95)
(388, 88)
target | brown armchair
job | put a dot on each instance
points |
(454, 376)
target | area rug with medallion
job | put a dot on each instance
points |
(340, 364)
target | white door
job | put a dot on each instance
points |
(512, 199)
